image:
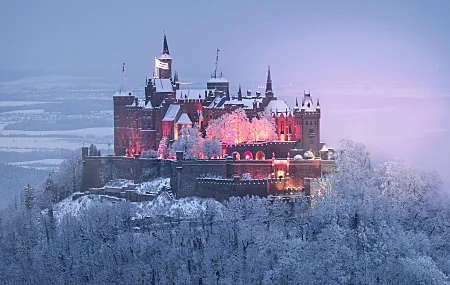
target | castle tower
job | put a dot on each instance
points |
(310, 124)
(121, 98)
(166, 58)
(217, 81)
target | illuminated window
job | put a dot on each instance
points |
(260, 155)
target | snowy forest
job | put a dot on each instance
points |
(378, 224)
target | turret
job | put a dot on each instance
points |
(269, 91)
(165, 58)
(239, 94)
(176, 81)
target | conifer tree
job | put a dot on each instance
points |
(28, 197)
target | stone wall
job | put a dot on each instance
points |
(280, 149)
(193, 177)
(222, 189)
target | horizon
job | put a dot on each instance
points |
(378, 67)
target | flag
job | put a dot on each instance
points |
(160, 64)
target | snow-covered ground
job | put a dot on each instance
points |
(24, 144)
(154, 186)
(76, 207)
(87, 132)
(20, 103)
(49, 161)
(30, 111)
(190, 207)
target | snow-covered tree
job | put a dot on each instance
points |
(308, 154)
(263, 128)
(189, 142)
(163, 149)
(93, 150)
(150, 154)
(67, 179)
(28, 197)
(211, 148)
(230, 128)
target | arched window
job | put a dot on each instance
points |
(260, 155)
(236, 154)
(248, 155)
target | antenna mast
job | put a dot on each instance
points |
(217, 63)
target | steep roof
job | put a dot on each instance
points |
(184, 120)
(308, 103)
(324, 148)
(278, 105)
(163, 85)
(165, 49)
(190, 94)
(171, 113)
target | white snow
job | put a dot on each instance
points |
(163, 85)
(165, 56)
(119, 183)
(190, 94)
(184, 120)
(309, 104)
(31, 111)
(76, 207)
(324, 148)
(50, 161)
(122, 93)
(25, 144)
(171, 113)
(278, 105)
(90, 132)
(298, 157)
(154, 186)
(20, 103)
(218, 80)
(190, 207)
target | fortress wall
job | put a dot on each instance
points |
(258, 169)
(223, 189)
(280, 149)
(299, 170)
(191, 170)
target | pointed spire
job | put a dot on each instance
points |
(269, 82)
(239, 94)
(165, 49)
(318, 103)
(296, 102)
(175, 77)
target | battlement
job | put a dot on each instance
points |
(234, 182)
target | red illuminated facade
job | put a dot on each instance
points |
(140, 123)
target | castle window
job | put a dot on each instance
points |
(312, 133)
(306, 122)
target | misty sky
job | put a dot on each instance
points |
(380, 68)
(304, 42)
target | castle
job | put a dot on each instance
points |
(274, 168)
(139, 125)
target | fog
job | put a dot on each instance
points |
(380, 68)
